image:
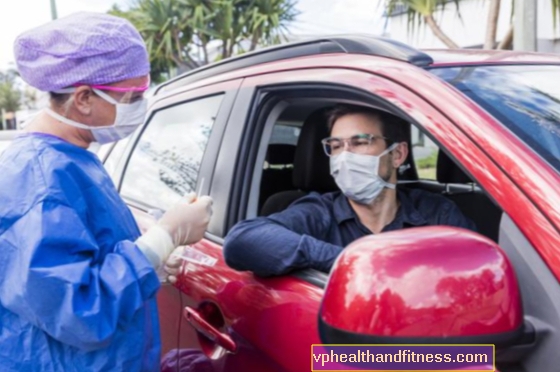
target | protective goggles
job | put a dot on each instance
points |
(123, 95)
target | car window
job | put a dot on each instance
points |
(164, 165)
(526, 99)
(425, 155)
(286, 134)
(114, 158)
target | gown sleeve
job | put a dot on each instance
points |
(54, 276)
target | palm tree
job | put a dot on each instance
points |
(227, 23)
(268, 20)
(178, 32)
(422, 12)
(200, 14)
(164, 25)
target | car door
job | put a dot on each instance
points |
(164, 161)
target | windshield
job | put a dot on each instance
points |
(525, 98)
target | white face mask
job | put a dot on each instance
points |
(357, 175)
(129, 116)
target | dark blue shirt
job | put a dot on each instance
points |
(312, 232)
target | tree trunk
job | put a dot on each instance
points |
(224, 48)
(429, 19)
(255, 40)
(184, 63)
(492, 25)
(205, 52)
(507, 40)
(231, 48)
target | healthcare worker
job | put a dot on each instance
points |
(78, 281)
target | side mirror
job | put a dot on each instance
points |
(428, 285)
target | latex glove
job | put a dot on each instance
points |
(173, 265)
(183, 224)
(187, 222)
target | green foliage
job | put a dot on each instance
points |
(427, 162)
(178, 33)
(10, 96)
(555, 12)
(418, 10)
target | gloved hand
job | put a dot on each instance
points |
(173, 265)
(187, 222)
(183, 224)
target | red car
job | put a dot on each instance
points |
(247, 132)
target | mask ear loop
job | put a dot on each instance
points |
(68, 103)
(388, 150)
(66, 106)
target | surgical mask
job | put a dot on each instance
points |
(357, 175)
(129, 116)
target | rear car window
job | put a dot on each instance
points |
(287, 134)
(525, 98)
(164, 165)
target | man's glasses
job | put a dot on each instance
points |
(358, 144)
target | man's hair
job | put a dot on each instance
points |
(392, 127)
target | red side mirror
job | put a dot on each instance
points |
(422, 285)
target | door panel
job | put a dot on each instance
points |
(272, 321)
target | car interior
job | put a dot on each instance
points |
(291, 170)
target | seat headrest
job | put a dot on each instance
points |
(448, 172)
(311, 164)
(280, 154)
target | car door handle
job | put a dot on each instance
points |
(197, 322)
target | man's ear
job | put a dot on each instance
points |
(400, 154)
(83, 100)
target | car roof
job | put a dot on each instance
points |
(356, 45)
(346, 44)
(443, 57)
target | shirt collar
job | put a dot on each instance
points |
(407, 213)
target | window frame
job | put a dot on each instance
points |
(253, 108)
(259, 124)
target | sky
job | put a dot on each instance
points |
(317, 17)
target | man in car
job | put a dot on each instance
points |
(366, 149)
